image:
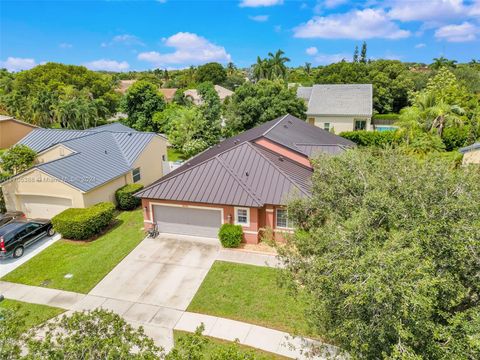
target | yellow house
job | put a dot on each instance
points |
(12, 131)
(471, 154)
(82, 168)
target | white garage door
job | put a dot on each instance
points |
(46, 207)
(187, 221)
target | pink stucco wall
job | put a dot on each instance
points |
(284, 151)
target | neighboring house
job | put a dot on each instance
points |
(81, 168)
(124, 85)
(339, 107)
(12, 130)
(193, 94)
(168, 94)
(245, 180)
(471, 154)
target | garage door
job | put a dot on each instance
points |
(187, 221)
(36, 206)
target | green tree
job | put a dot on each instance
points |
(308, 68)
(254, 104)
(17, 159)
(141, 102)
(355, 54)
(442, 61)
(363, 53)
(276, 64)
(387, 249)
(212, 72)
(261, 69)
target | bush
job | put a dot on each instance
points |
(455, 137)
(125, 198)
(82, 224)
(230, 235)
(373, 138)
(386, 116)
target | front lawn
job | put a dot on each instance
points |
(32, 314)
(251, 294)
(216, 344)
(88, 262)
(174, 155)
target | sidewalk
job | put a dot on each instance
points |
(159, 321)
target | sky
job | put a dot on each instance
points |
(121, 35)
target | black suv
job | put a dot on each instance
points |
(17, 235)
(9, 216)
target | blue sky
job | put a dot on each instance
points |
(137, 35)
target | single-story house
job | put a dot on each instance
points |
(193, 94)
(471, 154)
(245, 180)
(168, 93)
(339, 107)
(12, 130)
(79, 168)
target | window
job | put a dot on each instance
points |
(282, 219)
(242, 216)
(360, 125)
(136, 175)
(326, 126)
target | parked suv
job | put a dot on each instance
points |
(19, 234)
(9, 216)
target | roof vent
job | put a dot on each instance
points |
(188, 164)
(285, 126)
(290, 121)
(129, 134)
(281, 158)
(106, 152)
(218, 146)
(247, 174)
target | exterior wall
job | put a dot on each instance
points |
(53, 154)
(105, 192)
(472, 157)
(284, 151)
(150, 162)
(250, 232)
(279, 234)
(338, 123)
(12, 132)
(38, 183)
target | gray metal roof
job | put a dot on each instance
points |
(304, 92)
(115, 126)
(239, 172)
(339, 99)
(470, 148)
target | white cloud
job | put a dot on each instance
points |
(259, 3)
(259, 18)
(457, 33)
(312, 50)
(419, 46)
(325, 59)
(107, 65)
(357, 24)
(65, 46)
(17, 64)
(190, 49)
(124, 39)
(330, 4)
(431, 10)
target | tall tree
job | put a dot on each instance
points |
(355, 54)
(276, 63)
(363, 53)
(308, 68)
(212, 72)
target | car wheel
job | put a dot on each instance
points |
(51, 232)
(18, 252)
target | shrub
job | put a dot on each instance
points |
(455, 137)
(125, 198)
(386, 116)
(82, 224)
(230, 235)
(373, 138)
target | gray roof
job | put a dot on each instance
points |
(338, 99)
(115, 126)
(470, 148)
(240, 172)
(98, 156)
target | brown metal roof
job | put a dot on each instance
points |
(239, 172)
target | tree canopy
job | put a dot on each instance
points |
(388, 251)
(212, 72)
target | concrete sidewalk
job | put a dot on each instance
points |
(159, 321)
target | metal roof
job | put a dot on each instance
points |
(114, 126)
(239, 172)
(338, 99)
(470, 148)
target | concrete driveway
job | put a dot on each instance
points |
(166, 271)
(11, 264)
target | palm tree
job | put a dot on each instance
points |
(442, 62)
(231, 68)
(277, 64)
(308, 68)
(261, 70)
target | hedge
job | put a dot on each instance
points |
(386, 117)
(373, 138)
(82, 224)
(125, 198)
(456, 137)
(230, 235)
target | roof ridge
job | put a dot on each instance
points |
(280, 170)
(276, 123)
(121, 148)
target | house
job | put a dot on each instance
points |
(79, 168)
(471, 154)
(193, 94)
(168, 94)
(12, 130)
(124, 85)
(339, 107)
(245, 180)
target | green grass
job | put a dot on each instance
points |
(174, 155)
(250, 294)
(32, 314)
(215, 344)
(89, 262)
